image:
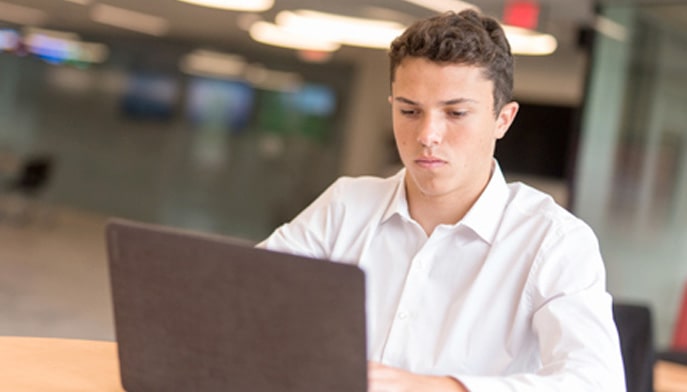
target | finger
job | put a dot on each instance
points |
(382, 378)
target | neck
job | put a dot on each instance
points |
(431, 211)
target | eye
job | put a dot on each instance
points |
(408, 112)
(457, 113)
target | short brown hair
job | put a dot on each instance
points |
(462, 38)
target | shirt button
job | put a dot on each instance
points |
(402, 315)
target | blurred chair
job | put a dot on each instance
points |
(28, 185)
(637, 345)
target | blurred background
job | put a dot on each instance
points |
(227, 121)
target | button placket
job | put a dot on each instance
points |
(399, 332)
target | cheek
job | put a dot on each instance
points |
(481, 134)
(400, 135)
(470, 144)
(402, 146)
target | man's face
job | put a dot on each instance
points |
(445, 127)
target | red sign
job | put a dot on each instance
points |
(521, 13)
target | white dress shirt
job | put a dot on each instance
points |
(511, 298)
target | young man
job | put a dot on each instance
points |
(473, 284)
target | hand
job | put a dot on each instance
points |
(382, 378)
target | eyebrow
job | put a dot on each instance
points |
(443, 103)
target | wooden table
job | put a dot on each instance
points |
(670, 377)
(29, 364)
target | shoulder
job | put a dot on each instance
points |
(561, 250)
(366, 184)
(560, 242)
(363, 189)
(537, 211)
(533, 202)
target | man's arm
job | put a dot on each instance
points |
(573, 321)
(383, 378)
(309, 233)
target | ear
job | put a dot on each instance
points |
(505, 118)
(390, 99)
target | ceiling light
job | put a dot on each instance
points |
(21, 15)
(234, 5)
(529, 42)
(371, 33)
(130, 20)
(214, 64)
(271, 34)
(444, 5)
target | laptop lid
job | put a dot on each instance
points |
(197, 312)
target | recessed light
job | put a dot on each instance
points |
(234, 5)
(130, 20)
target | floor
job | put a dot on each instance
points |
(53, 275)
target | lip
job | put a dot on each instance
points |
(430, 162)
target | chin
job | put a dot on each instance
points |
(433, 188)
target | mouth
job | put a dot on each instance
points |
(430, 162)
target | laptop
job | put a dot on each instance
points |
(199, 312)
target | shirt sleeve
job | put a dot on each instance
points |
(311, 232)
(572, 319)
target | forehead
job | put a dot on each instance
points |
(421, 77)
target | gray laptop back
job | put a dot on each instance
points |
(195, 312)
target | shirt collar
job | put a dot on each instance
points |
(398, 204)
(483, 217)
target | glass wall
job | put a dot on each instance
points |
(138, 138)
(631, 178)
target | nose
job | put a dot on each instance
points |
(431, 131)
